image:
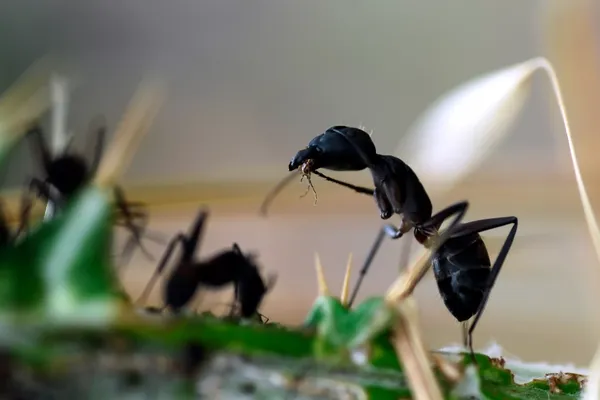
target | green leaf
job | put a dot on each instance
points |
(63, 269)
(342, 327)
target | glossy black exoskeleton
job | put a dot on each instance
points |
(461, 264)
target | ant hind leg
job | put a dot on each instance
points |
(481, 226)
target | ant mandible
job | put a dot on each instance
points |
(68, 172)
(463, 271)
(227, 267)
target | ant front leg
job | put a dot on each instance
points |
(194, 236)
(141, 218)
(40, 148)
(35, 188)
(477, 227)
(137, 211)
(178, 239)
(457, 210)
(99, 145)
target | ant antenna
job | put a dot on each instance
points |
(276, 190)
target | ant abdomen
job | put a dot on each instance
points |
(462, 269)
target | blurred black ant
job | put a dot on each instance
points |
(68, 172)
(461, 264)
(229, 266)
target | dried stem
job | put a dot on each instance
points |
(322, 283)
(592, 224)
(407, 281)
(409, 348)
(31, 81)
(16, 123)
(134, 125)
(344, 295)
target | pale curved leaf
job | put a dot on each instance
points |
(459, 130)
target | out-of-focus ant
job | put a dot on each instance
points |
(461, 264)
(227, 267)
(66, 173)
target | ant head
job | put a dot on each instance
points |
(334, 150)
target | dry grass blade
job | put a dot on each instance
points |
(16, 124)
(571, 32)
(59, 94)
(450, 370)
(141, 112)
(457, 132)
(33, 79)
(27, 99)
(409, 348)
(322, 283)
(344, 296)
(405, 284)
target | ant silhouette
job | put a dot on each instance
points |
(461, 264)
(68, 172)
(227, 267)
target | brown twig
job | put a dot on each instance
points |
(409, 348)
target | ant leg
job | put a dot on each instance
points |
(438, 218)
(458, 209)
(99, 146)
(141, 219)
(389, 230)
(465, 333)
(393, 233)
(40, 147)
(358, 189)
(481, 226)
(42, 190)
(287, 179)
(367, 264)
(136, 231)
(137, 210)
(236, 298)
(195, 236)
(179, 238)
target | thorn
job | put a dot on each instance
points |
(323, 290)
(346, 285)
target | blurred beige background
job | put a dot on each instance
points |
(251, 82)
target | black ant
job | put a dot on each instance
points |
(68, 172)
(229, 266)
(461, 264)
